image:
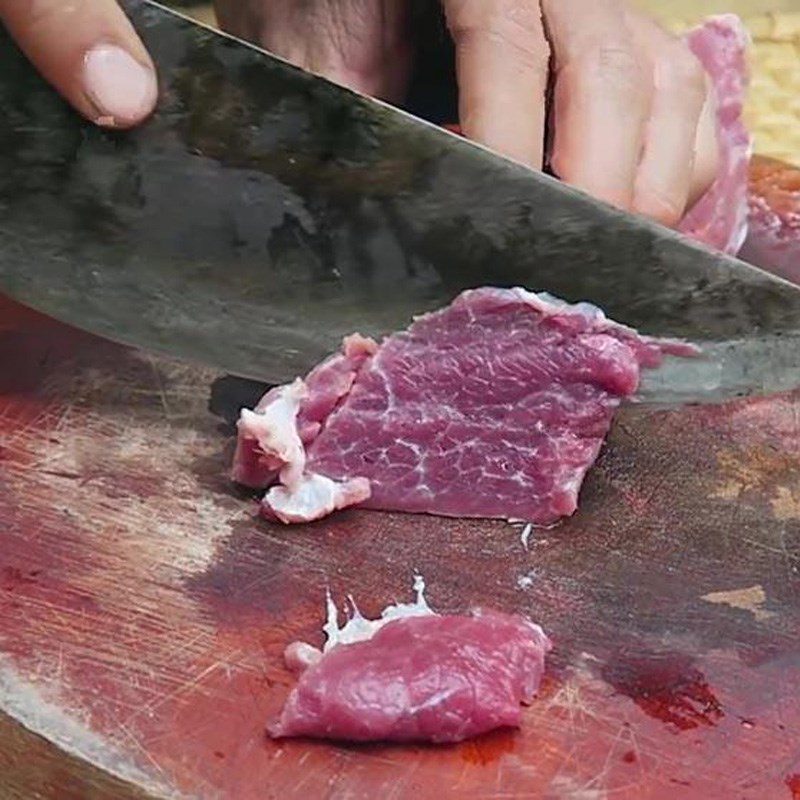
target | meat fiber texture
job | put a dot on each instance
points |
(495, 406)
(719, 217)
(413, 675)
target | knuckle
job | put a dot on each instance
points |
(516, 23)
(521, 15)
(682, 72)
(490, 14)
(620, 65)
(612, 60)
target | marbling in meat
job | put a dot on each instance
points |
(495, 406)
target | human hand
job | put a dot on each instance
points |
(365, 45)
(631, 119)
(89, 51)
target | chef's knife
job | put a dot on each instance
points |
(263, 213)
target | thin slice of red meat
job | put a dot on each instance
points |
(495, 406)
(719, 217)
(415, 676)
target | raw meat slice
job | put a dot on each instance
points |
(413, 675)
(495, 406)
(773, 240)
(719, 217)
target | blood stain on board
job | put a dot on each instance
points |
(666, 686)
(488, 748)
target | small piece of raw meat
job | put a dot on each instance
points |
(495, 406)
(413, 676)
(719, 217)
(271, 442)
(773, 239)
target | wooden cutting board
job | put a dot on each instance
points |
(143, 608)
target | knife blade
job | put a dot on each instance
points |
(263, 213)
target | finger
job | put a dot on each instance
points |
(89, 51)
(664, 180)
(706, 161)
(502, 61)
(601, 100)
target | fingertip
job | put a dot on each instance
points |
(121, 89)
(90, 53)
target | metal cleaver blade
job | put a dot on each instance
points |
(263, 213)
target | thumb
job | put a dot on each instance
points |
(90, 52)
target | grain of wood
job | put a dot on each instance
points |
(31, 767)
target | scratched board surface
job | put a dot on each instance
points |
(143, 609)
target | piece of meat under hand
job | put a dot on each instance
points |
(719, 218)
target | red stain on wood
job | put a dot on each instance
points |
(666, 687)
(487, 749)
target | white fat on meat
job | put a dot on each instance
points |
(299, 656)
(274, 426)
(301, 496)
(311, 497)
(358, 628)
